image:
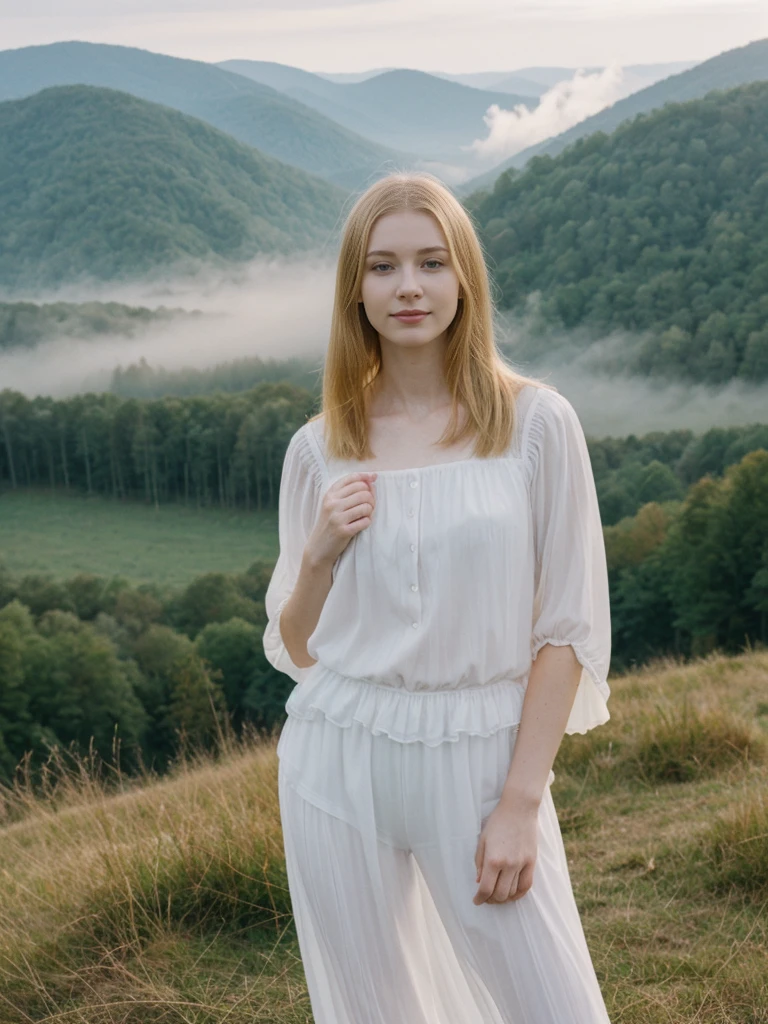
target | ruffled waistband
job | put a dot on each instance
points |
(425, 716)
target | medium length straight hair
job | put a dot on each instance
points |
(475, 371)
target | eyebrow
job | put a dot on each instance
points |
(419, 252)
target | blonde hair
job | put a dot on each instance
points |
(475, 371)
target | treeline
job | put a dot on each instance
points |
(99, 658)
(227, 449)
(660, 227)
(26, 324)
(224, 450)
(140, 380)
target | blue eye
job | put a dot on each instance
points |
(438, 262)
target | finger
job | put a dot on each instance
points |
(346, 501)
(524, 882)
(353, 480)
(479, 858)
(364, 508)
(506, 885)
(487, 884)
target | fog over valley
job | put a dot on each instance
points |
(281, 308)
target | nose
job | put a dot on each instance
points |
(408, 283)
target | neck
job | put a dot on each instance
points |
(411, 381)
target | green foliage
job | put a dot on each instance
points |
(255, 115)
(155, 671)
(659, 228)
(99, 184)
(215, 450)
(26, 324)
(140, 380)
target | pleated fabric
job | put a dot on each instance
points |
(467, 569)
(380, 839)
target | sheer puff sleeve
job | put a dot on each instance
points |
(571, 598)
(298, 504)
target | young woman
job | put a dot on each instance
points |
(441, 601)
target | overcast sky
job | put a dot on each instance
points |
(432, 35)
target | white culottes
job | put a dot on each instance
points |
(380, 839)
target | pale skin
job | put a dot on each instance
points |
(408, 267)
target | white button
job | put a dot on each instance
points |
(413, 547)
(410, 511)
(415, 625)
(414, 483)
(414, 587)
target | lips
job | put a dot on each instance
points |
(411, 316)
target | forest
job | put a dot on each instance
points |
(97, 183)
(226, 450)
(154, 667)
(660, 228)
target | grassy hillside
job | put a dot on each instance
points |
(44, 533)
(166, 900)
(252, 113)
(736, 67)
(660, 227)
(402, 109)
(99, 183)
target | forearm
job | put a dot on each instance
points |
(301, 611)
(549, 697)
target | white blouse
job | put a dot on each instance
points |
(467, 569)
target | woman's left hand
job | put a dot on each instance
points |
(506, 853)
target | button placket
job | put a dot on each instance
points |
(411, 513)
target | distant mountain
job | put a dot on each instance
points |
(251, 112)
(99, 184)
(497, 81)
(537, 81)
(658, 229)
(282, 77)
(352, 76)
(523, 81)
(732, 68)
(549, 76)
(405, 110)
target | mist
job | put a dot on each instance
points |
(564, 105)
(268, 308)
(613, 403)
(279, 308)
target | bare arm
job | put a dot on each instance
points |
(549, 697)
(301, 612)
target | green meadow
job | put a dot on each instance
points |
(171, 544)
(151, 900)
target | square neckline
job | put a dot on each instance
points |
(470, 459)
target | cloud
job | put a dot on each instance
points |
(567, 103)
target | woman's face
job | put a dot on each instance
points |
(408, 267)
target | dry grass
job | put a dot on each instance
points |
(165, 900)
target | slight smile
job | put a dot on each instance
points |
(411, 317)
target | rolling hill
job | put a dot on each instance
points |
(660, 228)
(401, 109)
(253, 113)
(725, 71)
(101, 184)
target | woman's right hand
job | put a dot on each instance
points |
(346, 510)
